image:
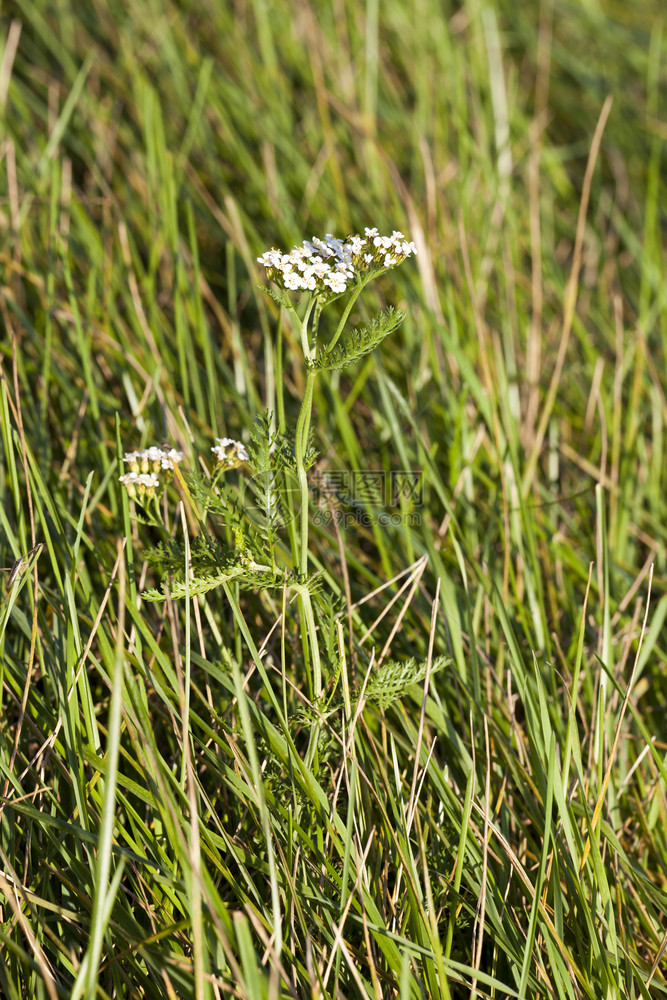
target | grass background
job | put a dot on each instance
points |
(500, 827)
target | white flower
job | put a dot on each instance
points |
(140, 484)
(336, 282)
(171, 458)
(152, 459)
(229, 453)
(328, 265)
(150, 470)
(270, 259)
(318, 270)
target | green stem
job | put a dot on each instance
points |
(343, 320)
(308, 343)
(316, 322)
(280, 397)
(301, 443)
(303, 324)
(302, 431)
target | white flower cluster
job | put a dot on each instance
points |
(327, 266)
(153, 459)
(229, 454)
(143, 479)
(140, 484)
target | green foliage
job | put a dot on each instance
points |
(246, 575)
(359, 342)
(267, 476)
(328, 607)
(205, 553)
(279, 295)
(391, 681)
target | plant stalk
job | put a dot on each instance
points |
(301, 443)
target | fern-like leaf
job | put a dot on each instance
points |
(279, 296)
(391, 681)
(197, 585)
(248, 575)
(360, 342)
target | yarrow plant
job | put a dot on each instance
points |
(322, 270)
(308, 278)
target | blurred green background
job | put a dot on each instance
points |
(149, 152)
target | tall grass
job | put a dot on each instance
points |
(495, 827)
